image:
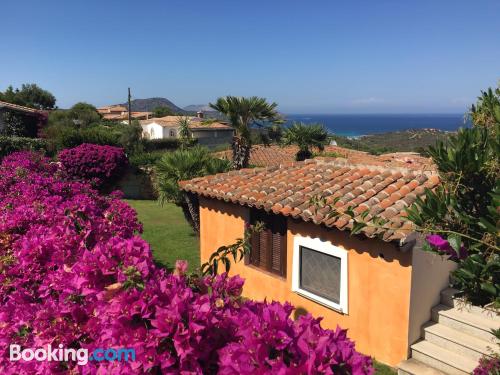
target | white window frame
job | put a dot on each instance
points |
(325, 247)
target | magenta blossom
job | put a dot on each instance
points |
(443, 247)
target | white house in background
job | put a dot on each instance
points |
(207, 132)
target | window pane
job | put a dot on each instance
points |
(320, 274)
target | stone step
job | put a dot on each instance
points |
(413, 367)
(449, 298)
(441, 359)
(458, 342)
(475, 325)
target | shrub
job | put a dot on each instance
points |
(66, 137)
(488, 366)
(75, 272)
(185, 164)
(100, 164)
(161, 144)
(145, 159)
(9, 145)
(463, 211)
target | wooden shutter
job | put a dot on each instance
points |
(268, 249)
(264, 239)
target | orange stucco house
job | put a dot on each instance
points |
(379, 285)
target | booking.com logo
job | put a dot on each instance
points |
(80, 356)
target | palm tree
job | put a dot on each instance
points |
(242, 113)
(184, 133)
(185, 164)
(306, 136)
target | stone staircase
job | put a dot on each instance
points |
(454, 340)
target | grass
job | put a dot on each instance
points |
(381, 369)
(168, 233)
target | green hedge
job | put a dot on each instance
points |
(160, 144)
(69, 138)
(9, 145)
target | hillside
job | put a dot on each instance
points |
(398, 141)
(198, 107)
(147, 105)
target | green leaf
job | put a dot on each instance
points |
(489, 288)
(455, 242)
(486, 225)
(357, 227)
(427, 247)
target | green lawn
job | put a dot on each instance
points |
(381, 369)
(168, 233)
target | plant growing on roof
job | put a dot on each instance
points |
(185, 164)
(305, 136)
(242, 114)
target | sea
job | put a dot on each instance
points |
(351, 125)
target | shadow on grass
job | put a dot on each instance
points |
(164, 265)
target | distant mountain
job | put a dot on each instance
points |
(198, 107)
(147, 105)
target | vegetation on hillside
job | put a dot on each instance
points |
(411, 140)
(163, 111)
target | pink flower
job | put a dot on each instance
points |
(181, 267)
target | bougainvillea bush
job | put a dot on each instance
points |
(74, 271)
(101, 165)
(488, 366)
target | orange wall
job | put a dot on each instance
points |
(378, 288)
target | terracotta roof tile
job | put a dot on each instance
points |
(287, 190)
(265, 156)
(17, 107)
(195, 123)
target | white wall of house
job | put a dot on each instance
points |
(156, 131)
(430, 275)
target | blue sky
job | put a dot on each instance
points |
(396, 56)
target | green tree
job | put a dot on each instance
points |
(184, 133)
(81, 115)
(305, 136)
(10, 95)
(486, 112)
(162, 111)
(185, 164)
(242, 114)
(30, 95)
(84, 114)
(131, 138)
